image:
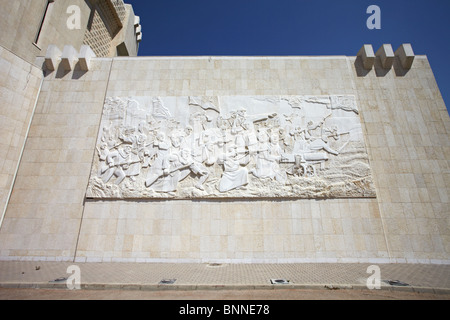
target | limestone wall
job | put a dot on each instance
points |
(19, 87)
(406, 133)
(21, 19)
(407, 127)
(45, 209)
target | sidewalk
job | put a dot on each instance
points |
(123, 276)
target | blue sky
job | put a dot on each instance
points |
(295, 27)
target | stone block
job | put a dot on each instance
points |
(52, 57)
(386, 55)
(69, 58)
(367, 55)
(85, 56)
(406, 55)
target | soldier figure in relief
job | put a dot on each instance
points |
(119, 162)
(161, 165)
(234, 175)
(188, 165)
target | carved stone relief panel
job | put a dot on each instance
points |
(230, 147)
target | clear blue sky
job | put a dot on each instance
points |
(295, 27)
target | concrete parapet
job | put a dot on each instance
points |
(404, 53)
(69, 57)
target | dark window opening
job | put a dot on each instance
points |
(47, 7)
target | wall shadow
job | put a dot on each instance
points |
(379, 70)
(78, 73)
(359, 67)
(61, 72)
(398, 68)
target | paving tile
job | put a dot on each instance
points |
(192, 276)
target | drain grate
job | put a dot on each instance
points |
(279, 281)
(397, 283)
(62, 279)
(168, 281)
(215, 265)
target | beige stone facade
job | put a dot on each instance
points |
(112, 31)
(406, 130)
(28, 30)
(30, 26)
(20, 85)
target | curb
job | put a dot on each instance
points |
(217, 287)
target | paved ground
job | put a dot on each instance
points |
(113, 281)
(222, 295)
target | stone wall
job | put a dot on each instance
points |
(46, 206)
(407, 127)
(19, 88)
(255, 231)
(406, 133)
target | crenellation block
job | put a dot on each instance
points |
(52, 57)
(406, 55)
(367, 55)
(85, 56)
(69, 58)
(386, 55)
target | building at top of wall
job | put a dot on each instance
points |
(109, 27)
